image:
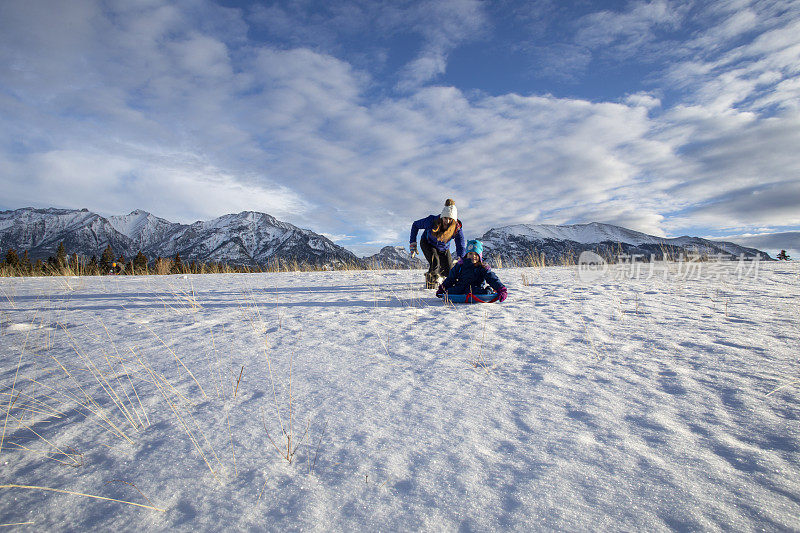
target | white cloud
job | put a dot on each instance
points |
(437, 27)
(770, 242)
(785, 95)
(563, 62)
(175, 186)
(762, 204)
(202, 56)
(444, 24)
(337, 237)
(624, 214)
(643, 99)
(631, 28)
(311, 24)
(188, 119)
(726, 74)
(423, 69)
(736, 21)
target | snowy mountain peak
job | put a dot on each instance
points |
(251, 218)
(395, 257)
(592, 232)
(563, 242)
(251, 237)
(140, 226)
(245, 238)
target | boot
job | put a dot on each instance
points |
(431, 280)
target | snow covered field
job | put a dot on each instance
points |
(623, 403)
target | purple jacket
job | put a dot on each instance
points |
(426, 224)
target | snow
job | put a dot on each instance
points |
(135, 225)
(507, 238)
(254, 236)
(624, 403)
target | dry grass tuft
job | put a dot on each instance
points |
(480, 361)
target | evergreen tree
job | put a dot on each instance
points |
(61, 255)
(12, 259)
(106, 259)
(25, 263)
(140, 263)
(177, 264)
(93, 265)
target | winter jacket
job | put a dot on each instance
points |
(467, 277)
(426, 224)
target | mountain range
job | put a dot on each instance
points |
(518, 243)
(246, 238)
(250, 238)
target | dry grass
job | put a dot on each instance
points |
(11, 399)
(166, 389)
(480, 360)
(85, 370)
(44, 403)
(80, 266)
(784, 386)
(178, 360)
(290, 440)
(104, 385)
(31, 487)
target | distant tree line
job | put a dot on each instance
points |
(63, 264)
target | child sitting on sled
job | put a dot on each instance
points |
(468, 276)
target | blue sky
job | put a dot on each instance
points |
(353, 118)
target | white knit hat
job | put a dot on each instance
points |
(450, 210)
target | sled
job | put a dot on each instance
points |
(471, 298)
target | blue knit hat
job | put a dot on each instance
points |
(475, 246)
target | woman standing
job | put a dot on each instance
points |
(439, 230)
